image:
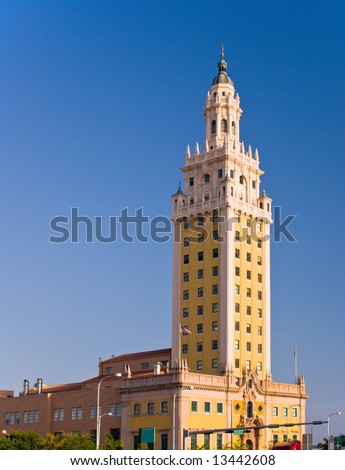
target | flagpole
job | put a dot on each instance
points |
(179, 346)
(295, 356)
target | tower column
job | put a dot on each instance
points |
(227, 250)
(176, 333)
(267, 297)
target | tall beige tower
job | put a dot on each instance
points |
(221, 255)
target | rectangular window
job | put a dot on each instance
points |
(185, 295)
(248, 365)
(220, 408)
(259, 313)
(249, 275)
(193, 441)
(200, 273)
(164, 406)
(199, 347)
(260, 330)
(198, 365)
(186, 225)
(200, 310)
(294, 412)
(215, 235)
(200, 292)
(249, 240)
(194, 406)
(214, 345)
(237, 363)
(199, 327)
(207, 407)
(186, 259)
(259, 243)
(74, 413)
(164, 441)
(185, 277)
(36, 416)
(200, 237)
(145, 365)
(200, 256)
(215, 271)
(214, 363)
(237, 253)
(237, 344)
(184, 348)
(237, 326)
(275, 411)
(248, 328)
(215, 307)
(207, 441)
(214, 326)
(237, 271)
(259, 366)
(260, 348)
(150, 408)
(219, 441)
(215, 289)
(249, 310)
(112, 409)
(285, 412)
(237, 307)
(259, 261)
(237, 236)
(136, 409)
(92, 412)
(185, 313)
(118, 409)
(220, 173)
(237, 289)
(201, 221)
(186, 241)
(191, 181)
(259, 278)
(191, 201)
(215, 216)
(56, 414)
(215, 252)
(259, 295)
(249, 292)
(249, 257)
(249, 346)
(253, 184)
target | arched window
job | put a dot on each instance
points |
(249, 409)
(224, 125)
(213, 127)
(207, 178)
(233, 128)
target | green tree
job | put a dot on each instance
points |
(22, 440)
(112, 444)
(70, 441)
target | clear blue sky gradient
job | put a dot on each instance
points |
(98, 100)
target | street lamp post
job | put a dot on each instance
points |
(98, 415)
(328, 424)
(174, 414)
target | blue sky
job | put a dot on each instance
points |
(98, 101)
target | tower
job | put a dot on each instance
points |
(221, 254)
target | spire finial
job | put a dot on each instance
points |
(222, 51)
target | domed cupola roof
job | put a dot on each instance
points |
(222, 76)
